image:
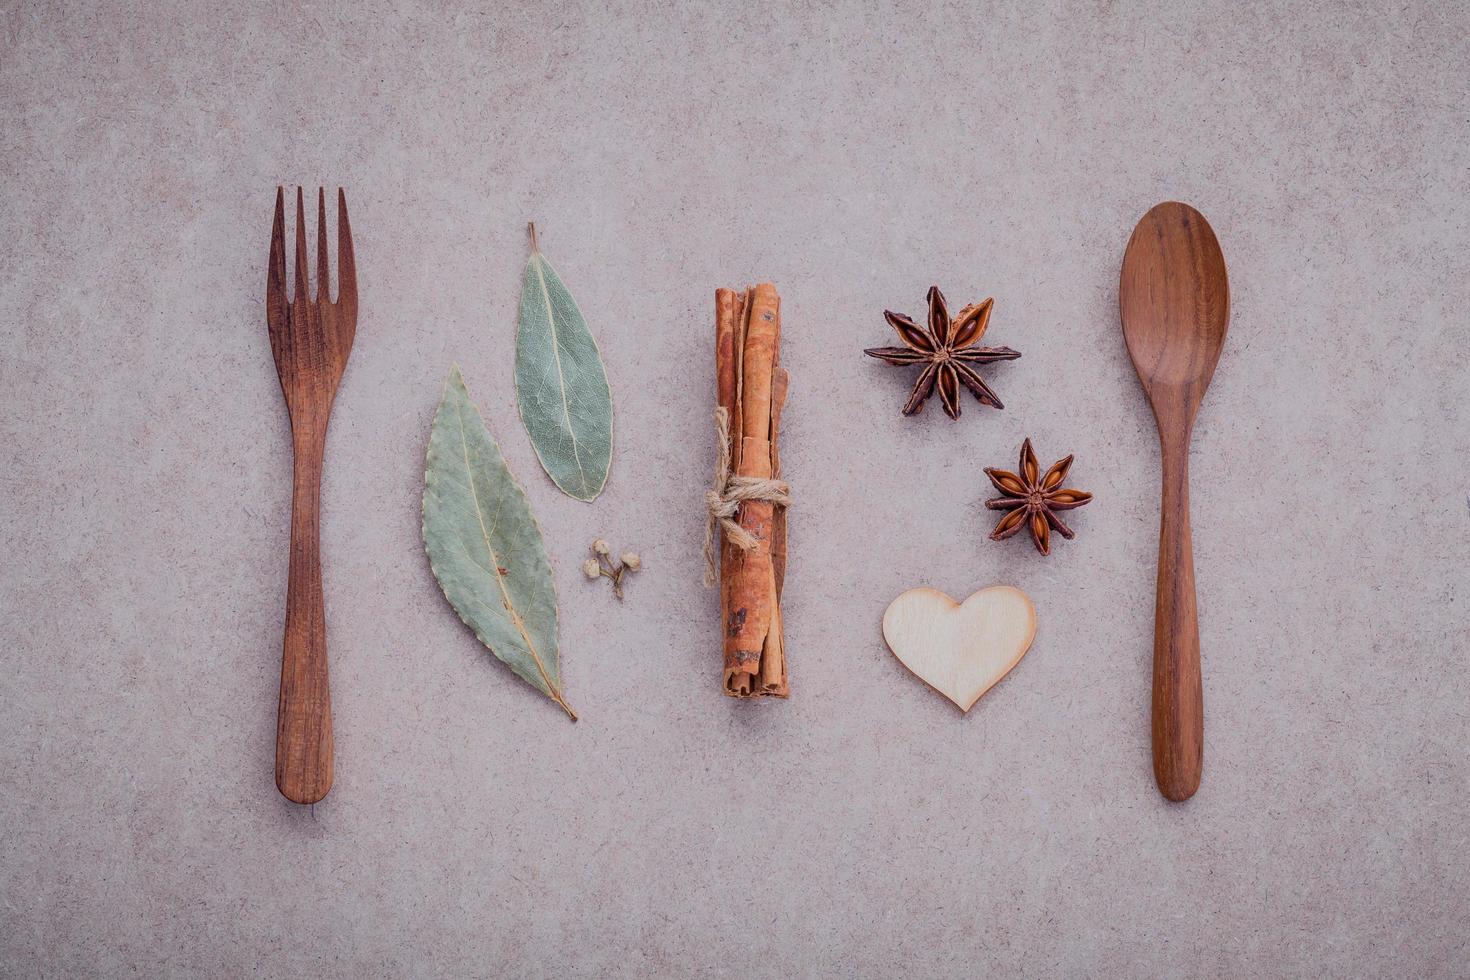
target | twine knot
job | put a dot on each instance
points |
(724, 499)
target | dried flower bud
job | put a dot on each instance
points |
(590, 568)
(631, 561)
(601, 547)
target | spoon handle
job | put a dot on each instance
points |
(1178, 698)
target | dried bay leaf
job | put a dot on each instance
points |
(485, 547)
(561, 386)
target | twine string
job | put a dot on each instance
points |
(724, 499)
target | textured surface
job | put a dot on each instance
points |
(853, 157)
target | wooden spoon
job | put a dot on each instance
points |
(1175, 302)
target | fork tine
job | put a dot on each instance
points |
(302, 289)
(346, 263)
(275, 276)
(323, 279)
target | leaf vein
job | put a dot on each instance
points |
(560, 376)
(515, 617)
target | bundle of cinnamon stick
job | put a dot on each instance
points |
(751, 390)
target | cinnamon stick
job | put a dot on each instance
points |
(729, 327)
(778, 530)
(751, 387)
(773, 659)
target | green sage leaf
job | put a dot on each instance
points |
(485, 547)
(561, 386)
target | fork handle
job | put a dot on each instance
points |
(304, 723)
(1178, 697)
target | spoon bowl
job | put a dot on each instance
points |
(1174, 300)
(1175, 303)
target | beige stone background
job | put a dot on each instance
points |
(854, 154)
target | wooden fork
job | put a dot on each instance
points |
(311, 340)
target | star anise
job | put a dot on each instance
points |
(946, 350)
(1033, 499)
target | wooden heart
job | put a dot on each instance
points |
(961, 649)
